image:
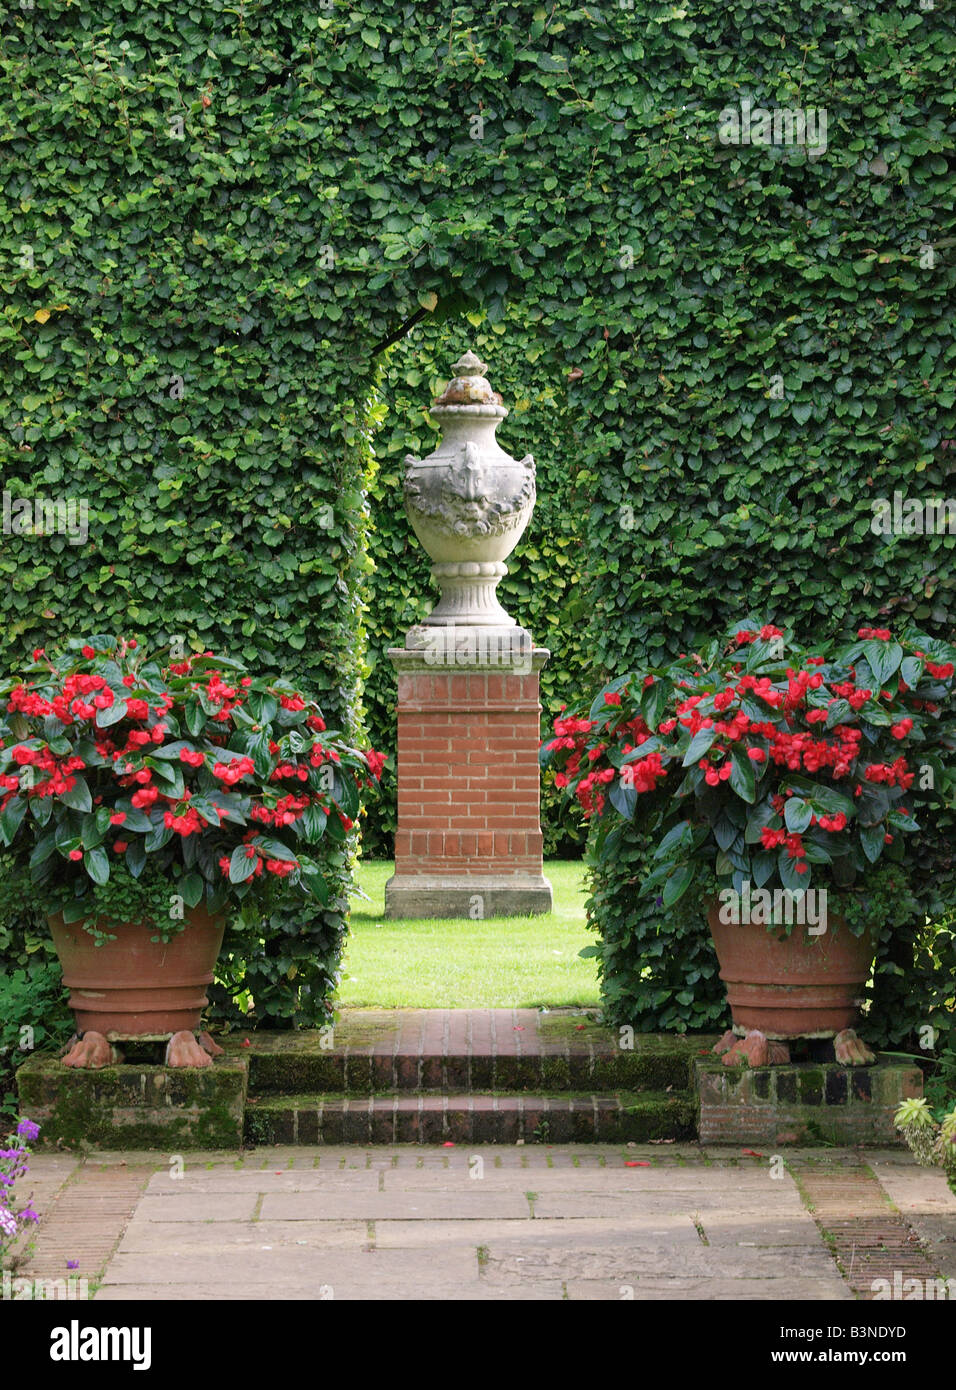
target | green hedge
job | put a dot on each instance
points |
(760, 270)
(172, 361)
(754, 270)
(657, 966)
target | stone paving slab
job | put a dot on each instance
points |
(452, 1203)
(188, 1293)
(568, 1258)
(664, 1290)
(145, 1235)
(614, 1178)
(206, 1184)
(735, 1228)
(670, 1229)
(190, 1207)
(412, 1224)
(571, 1204)
(282, 1267)
(385, 1288)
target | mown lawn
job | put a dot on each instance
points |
(503, 962)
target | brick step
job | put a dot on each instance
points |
(363, 1071)
(401, 1117)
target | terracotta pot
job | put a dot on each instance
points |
(794, 986)
(133, 987)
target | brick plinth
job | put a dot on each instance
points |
(803, 1103)
(469, 840)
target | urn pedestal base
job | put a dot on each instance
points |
(469, 840)
(501, 895)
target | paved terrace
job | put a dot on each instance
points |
(515, 1222)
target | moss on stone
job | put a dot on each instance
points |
(135, 1107)
(296, 1071)
(555, 1072)
(811, 1083)
(641, 1071)
(653, 1116)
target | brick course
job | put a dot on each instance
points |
(468, 779)
(803, 1103)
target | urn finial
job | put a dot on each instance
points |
(469, 365)
(469, 386)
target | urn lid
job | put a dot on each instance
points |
(469, 388)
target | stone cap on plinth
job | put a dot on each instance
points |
(443, 895)
(511, 652)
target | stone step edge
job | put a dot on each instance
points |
(367, 1073)
(280, 1100)
(491, 1118)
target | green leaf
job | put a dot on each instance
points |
(241, 866)
(699, 745)
(311, 824)
(762, 866)
(97, 865)
(789, 876)
(678, 884)
(742, 778)
(136, 857)
(78, 797)
(763, 815)
(191, 888)
(44, 847)
(873, 840)
(117, 711)
(883, 658)
(11, 818)
(824, 800)
(271, 848)
(838, 713)
(195, 717)
(623, 798)
(171, 751)
(797, 815)
(677, 838)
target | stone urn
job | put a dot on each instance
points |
(468, 503)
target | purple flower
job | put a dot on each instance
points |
(28, 1129)
(28, 1214)
(72, 1264)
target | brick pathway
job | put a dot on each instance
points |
(439, 1223)
(869, 1239)
(87, 1218)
